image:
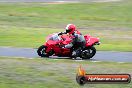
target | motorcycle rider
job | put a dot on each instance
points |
(78, 40)
(72, 28)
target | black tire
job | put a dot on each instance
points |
(88, 53)
(41, 51)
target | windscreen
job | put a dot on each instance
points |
(55, 37)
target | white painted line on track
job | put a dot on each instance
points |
(96, 61)
(78, 60)
(121, 62)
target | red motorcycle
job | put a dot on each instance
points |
(54, 43)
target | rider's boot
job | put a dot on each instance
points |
(74, 55)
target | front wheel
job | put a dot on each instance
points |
(88, 53)
(42, 51)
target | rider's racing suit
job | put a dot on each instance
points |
(77, 44)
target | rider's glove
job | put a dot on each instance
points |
(60, 33)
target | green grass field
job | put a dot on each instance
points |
(52, 73)
(112, 14)
(28, 24)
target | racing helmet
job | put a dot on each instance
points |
(70, 28)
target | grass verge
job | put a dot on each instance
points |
(110, 14)
(43, 73)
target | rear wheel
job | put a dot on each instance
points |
(42, 51)
(88, 53)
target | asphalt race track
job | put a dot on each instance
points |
(100, 55)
